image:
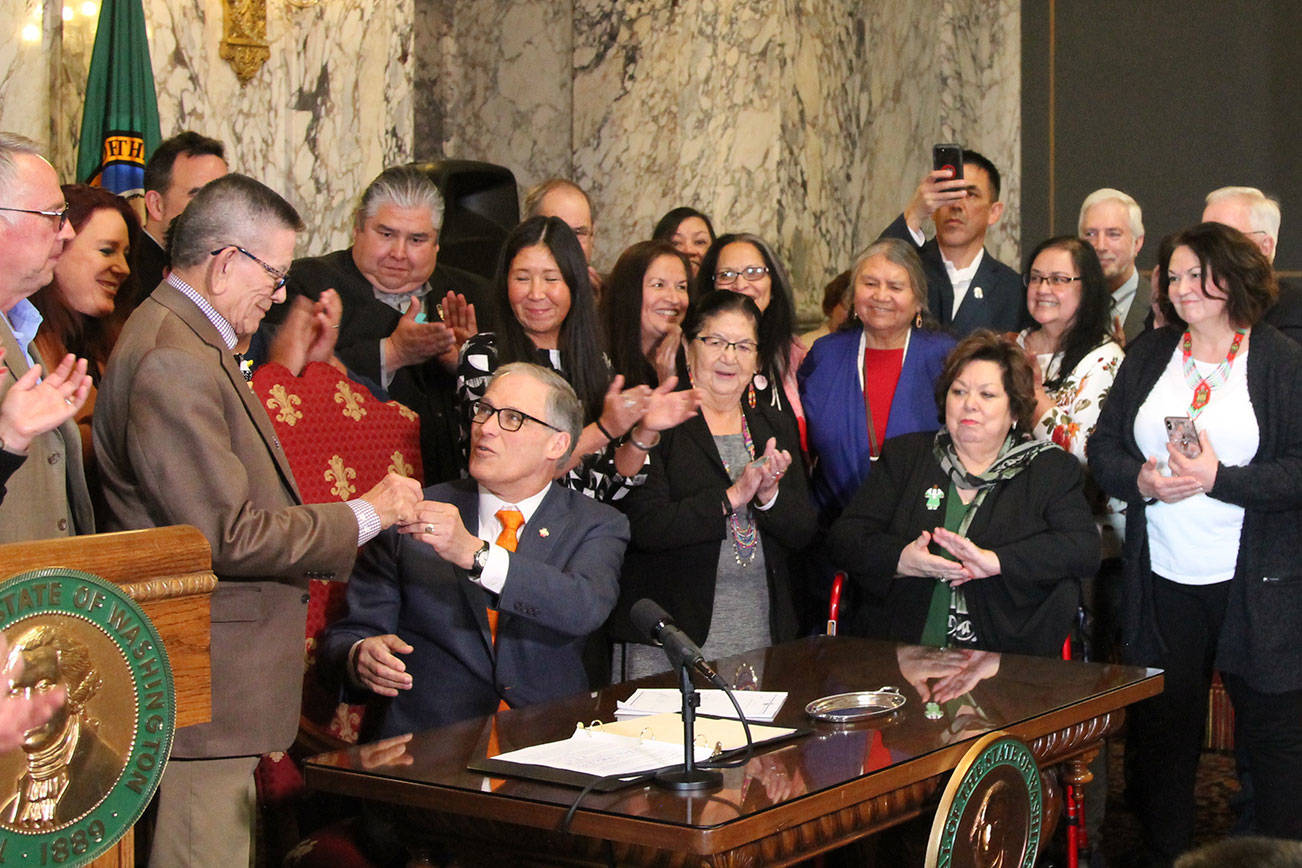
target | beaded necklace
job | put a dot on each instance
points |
(1201, 385)
(745, 533)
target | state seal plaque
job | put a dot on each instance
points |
(79, 781)
(990, 814)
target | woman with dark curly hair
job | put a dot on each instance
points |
(977, 535)
(643, 308)
(1202, 437)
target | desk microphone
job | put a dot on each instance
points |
(655, 623)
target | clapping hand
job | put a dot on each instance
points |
(33, 406)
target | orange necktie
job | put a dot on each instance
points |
(511, 520)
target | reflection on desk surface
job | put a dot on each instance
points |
(975, 692)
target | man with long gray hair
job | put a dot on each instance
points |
(392, 330)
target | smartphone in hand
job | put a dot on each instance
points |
(948, 156)
(1181, 433)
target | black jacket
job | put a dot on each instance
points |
(1038, 522)
(677, 522)
(1263, 618)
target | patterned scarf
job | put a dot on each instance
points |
(1013, 458)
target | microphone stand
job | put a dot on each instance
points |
(689, 778)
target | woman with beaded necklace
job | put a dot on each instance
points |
(714, 524)
(1212, 546)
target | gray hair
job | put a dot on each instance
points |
(1263, 209)
(899, 253)
(232, 210)
(1108, 194)
(401, 187)
(533, 199)
(11, 145)
(563, 409)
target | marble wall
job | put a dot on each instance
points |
(809, 122)
(323, 116)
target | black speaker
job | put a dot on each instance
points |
(481, 208)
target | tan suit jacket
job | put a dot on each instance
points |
(46, 497)
(182, 439)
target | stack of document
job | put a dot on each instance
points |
(761, 705)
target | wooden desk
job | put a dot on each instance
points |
(790, 802)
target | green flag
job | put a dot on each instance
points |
(119, 128)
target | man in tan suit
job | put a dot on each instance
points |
(182, 439)
(47, 495)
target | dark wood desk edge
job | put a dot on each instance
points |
(833, 816)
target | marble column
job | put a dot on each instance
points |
(330, 108)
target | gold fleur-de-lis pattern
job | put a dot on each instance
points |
(399, 465)
(351, 399)
(284, 404)
(338, 474)
(407, 413)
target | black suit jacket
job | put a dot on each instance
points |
(1038, 522)
(1286, 313)
(561, 584)
(995, 300)
(677, 522)
(148, 263)
(427, 388)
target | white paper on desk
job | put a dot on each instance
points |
(761, 705)
(592, 752)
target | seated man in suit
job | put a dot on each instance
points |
(1113, 224)
(1257, 216)
(394, 297)
(487, 597)
(967, 288)
(182, 439)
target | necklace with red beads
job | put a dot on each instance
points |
(1203, 386)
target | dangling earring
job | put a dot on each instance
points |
(917, 319)
(750, 394)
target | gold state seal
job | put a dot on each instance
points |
(80, 780)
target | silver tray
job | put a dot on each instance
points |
(856, 706)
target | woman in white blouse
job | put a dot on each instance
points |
(1212, 543)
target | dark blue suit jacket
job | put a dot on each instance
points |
(996, 300)
(562, 582)
(834, 411)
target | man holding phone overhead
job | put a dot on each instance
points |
(967, 287)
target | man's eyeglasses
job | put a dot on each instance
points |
(718, 345)
(1055, 280)
(280, 276)
(750, 272)
(62, 215)
(508, 418)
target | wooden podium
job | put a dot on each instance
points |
(168, 572)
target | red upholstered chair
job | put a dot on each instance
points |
(340, 441)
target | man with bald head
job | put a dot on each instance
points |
(567, 201)
(47, 495)
(182, 439)
(1257, 216)
(1113, 224)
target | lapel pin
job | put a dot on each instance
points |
(976, 291)
(543, 532)
(933, 497)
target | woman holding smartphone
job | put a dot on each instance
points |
(1213, 555)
